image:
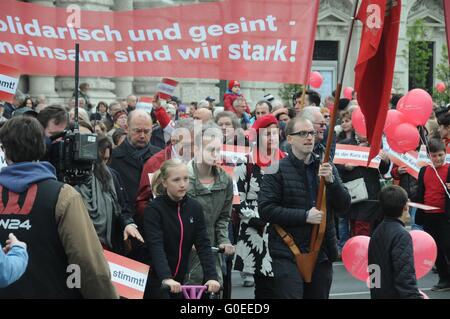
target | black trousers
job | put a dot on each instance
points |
(290, 285)
(264, 287)
(438, 226)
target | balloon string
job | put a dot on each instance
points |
(424, 142)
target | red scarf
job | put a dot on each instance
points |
(262, 160)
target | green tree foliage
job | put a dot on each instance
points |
(288, 90)
(419, 55)
(443, 75)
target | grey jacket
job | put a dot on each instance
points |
(216, 203)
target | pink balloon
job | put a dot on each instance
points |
(348, 92)
(393, 119)
(417, 107)
(403, 138)
(355, 256)
(425, 252)
(359, 122)
(441, 87)
(401, 102)
(315, 79)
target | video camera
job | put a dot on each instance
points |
(74, 156)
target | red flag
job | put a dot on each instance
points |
(374, 70)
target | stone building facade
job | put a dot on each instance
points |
(333, 23)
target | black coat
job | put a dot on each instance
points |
(162, 230)
(284, 199)
(391, 249)
(124, 219)
(368, 210)
(130, 169)
(421, 194)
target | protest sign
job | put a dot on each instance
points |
(423, 158)
(9, 79)
(166, 88)
(354, 155)
(127, 275)
(422, 206)
(145, 103)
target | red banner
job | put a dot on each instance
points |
(253, 40)
(374, 70)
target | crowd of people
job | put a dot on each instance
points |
(162, 192)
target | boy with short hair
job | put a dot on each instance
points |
(433, 184)
(391, 250)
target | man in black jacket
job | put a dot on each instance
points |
(128, 159)
(288, 198)
(391, 250)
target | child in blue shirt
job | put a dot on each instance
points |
(13, 261)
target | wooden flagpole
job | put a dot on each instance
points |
(318, 231)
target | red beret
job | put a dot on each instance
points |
(264, 122)
(233, 83)
(119, 114)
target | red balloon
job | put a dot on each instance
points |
(359, 122)
(315, 79)
(417, 107)
(441, 87)
(401, 102)
(348, 92)
(355, 256)
(425, 252)
(393, 119)
(403, 138)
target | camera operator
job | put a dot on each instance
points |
(54, 119)
(53, 221)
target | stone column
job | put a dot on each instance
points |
(144, 4)
(147, 85)
(43, 84)
(124, 85)
(101, 89)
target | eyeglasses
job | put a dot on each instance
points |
(141, 130)
(326, 116)
(304, 134)
(321, 124)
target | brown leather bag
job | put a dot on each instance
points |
(306, 262)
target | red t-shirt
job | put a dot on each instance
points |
(434, 191)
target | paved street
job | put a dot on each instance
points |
(344, 286)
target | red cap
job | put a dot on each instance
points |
(119, 114)
(264, 122)
(233, 83)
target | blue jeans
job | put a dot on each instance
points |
(412, 213)
(344, 232)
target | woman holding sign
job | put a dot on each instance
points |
(173, 223)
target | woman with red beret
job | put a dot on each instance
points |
(252, 254)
